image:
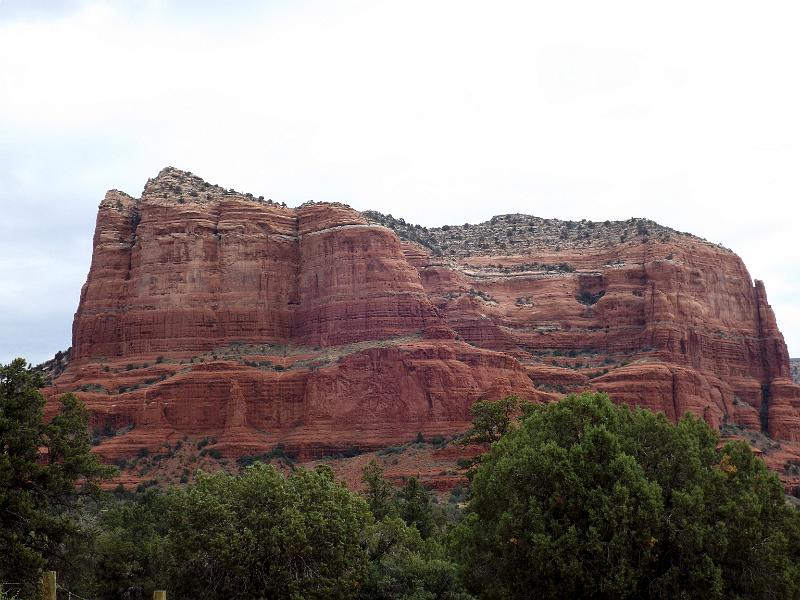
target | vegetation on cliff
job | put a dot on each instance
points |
(511, 233)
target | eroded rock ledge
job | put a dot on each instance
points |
(211, 313)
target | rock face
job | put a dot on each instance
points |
(652, 316)
(795, 366)
(210, 313)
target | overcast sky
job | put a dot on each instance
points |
(686, 112)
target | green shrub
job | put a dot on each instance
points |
(590, 500)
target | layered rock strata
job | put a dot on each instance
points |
(210, 313)
(654, 317)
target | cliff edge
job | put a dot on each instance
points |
(211, 313)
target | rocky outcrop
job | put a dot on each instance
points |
(794, 365)
(51, 369)
(208, 267)
(210, 313)
(652, 316)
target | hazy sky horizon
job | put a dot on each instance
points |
(438, 112)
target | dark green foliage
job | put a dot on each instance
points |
(414, 507)
(587, 499)
(99, 433)
(212, 452)
(278, 452)
(265, 535)
(457, 494)
(259, 535)
(566, 268)
(404, 566)
(91, 387)
(343, 453)
(246, 461)
(378, 492)
(491, 420)
(258, 363)
(407, 559)
(481, 294)
(588, 299)
(262, 535)
(128, 555)
(46, 469)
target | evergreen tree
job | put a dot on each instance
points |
(590, 500)
(46, 469)
(414, 507)
(263, 535)
(378, 492)
(491, 420)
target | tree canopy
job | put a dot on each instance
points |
(492, 419)
(587, 499)
(266, 535)
(45, 471)
(578, 498)
(261, 534)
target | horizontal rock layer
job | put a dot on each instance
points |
(209, 313)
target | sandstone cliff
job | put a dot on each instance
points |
(653, 316)
(795, 366)
(211, 313)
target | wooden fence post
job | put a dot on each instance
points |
(49, 585)
(159, 595)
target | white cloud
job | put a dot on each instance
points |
(441, 112)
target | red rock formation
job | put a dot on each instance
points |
(208, 313)
(671, 323)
